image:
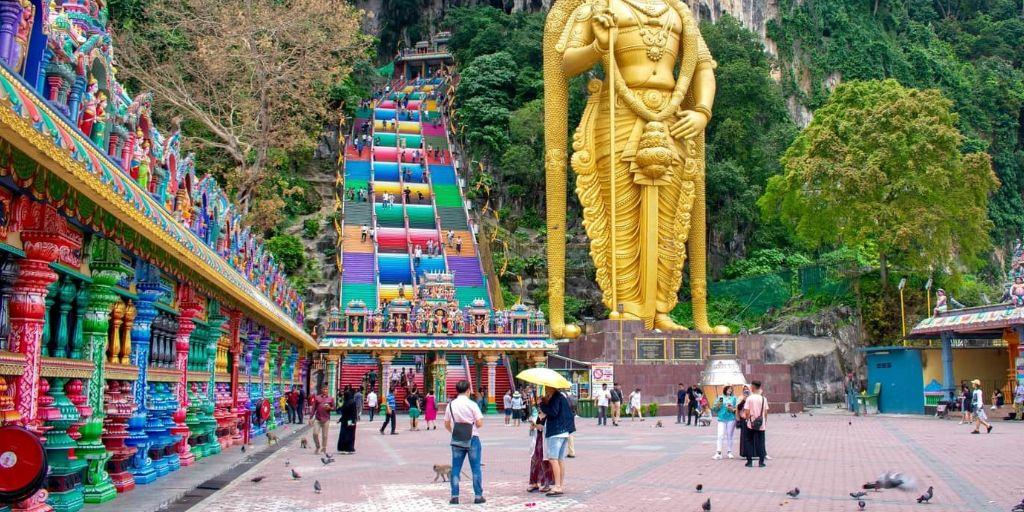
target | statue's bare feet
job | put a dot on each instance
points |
(614, 315)
(664, 322)
(705, 328)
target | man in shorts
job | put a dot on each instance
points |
(559, 424)
(616, 403)
(980, 418)
(506, 402)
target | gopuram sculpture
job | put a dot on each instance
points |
(638, 154)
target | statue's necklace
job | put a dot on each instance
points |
(653, 31)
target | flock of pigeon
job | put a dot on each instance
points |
(887, 480)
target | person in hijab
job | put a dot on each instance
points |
(349, 415)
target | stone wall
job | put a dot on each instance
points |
(658, 380)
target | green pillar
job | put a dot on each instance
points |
(64, 469)
(270, 389)
(194, 412)
(439, 372)
(107, 270)
(214, 321)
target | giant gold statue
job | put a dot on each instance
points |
(638, 154)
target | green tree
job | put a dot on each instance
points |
(881, 163)
(288, 251)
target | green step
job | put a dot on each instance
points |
(359, 291)
(453, 218)
(421, 216)
(466, 294)
(385, 139)
(437, 142)
(390, 217)
(447, 195)
(357, 213)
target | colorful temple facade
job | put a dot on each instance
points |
(419, 306)
(143, 328)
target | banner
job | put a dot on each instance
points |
(601, 373)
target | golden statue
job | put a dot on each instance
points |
(638, 154)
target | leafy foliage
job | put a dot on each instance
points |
(288, 251)
(881, 163)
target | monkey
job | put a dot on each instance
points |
(303, 444)
(271, 439)
(444, 472)
(658, 424)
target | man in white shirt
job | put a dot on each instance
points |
(371, 403)
(603, 396)
(506, 406)
(464, 410)
(980, 418)
(517, 408)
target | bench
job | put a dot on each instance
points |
(865, 399)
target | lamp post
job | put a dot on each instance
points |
(903, 315)
(928, 294)
(621, 309)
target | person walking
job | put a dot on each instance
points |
(978, 404)
(1018, 401)
(725, 409)
(756, 412)
(389, 413)
(635, 404)
(300, 407)
(558, 425)
(412, 402)
(291, 399)
(602, 396)
(692, 406)
(349, 416)
(506, 402)
(517, 408)
(680, 403)
(616, 398)
(741, 421)
(541, 477)
(966, 403)
(464, 419)
(321, 419)
(430, 410)
(371, 402)
(481, 399)
(358, 397)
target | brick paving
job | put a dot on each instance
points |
(640, 467)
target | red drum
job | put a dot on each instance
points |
(22, 463)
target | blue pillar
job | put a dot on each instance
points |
(149, 291)
(947, 365)
(75, 99)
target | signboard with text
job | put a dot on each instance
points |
(650, 349)
(686, 349)
(722, 347)
(602, 373)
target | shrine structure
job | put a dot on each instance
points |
(141, 326)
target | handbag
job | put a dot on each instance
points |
(462, 435)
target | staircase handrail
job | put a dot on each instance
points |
(469, 375)
(508, 371)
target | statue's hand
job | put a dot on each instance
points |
(690, 124)
(601, 23)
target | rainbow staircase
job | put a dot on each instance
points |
(428, 203)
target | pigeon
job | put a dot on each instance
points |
(325, 461)
(861, 504)
(792, 415)
(858, 495)
(316, 486)
(257, 479)
(295, 475)
(794, 493)
(243, 448)
(810, 414)
(927, 496)
(287, 463)
(890, 480)
(700, 487)
(706, 506)
(849, 422)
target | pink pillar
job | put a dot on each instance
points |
(188, 307)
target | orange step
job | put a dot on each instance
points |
(352, 243)
(467, 244)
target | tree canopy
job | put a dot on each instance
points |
(882, 164)
(253, 75)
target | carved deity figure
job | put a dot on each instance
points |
(90, 101)
(1017, 292)
(638, 153)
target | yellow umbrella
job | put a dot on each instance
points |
(544, 377)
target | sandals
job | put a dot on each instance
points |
(551, 494)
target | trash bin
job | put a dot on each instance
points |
(585, 408)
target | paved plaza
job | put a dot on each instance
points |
(641, 467)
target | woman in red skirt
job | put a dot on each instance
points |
(541, 477)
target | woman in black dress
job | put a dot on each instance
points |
(349, 413)
(741, 423)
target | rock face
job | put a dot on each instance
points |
(821, 349)
(753, 14)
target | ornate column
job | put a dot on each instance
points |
(948, 383)
(332, 376)
(188, 308)
(44, 234)
(214, 321)
(235, 349)
(149, 289)
(10, 14)
(8, 276)
(439, 372)
(492, 365)
(107, 270)
(385, 373)
(538, 359)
